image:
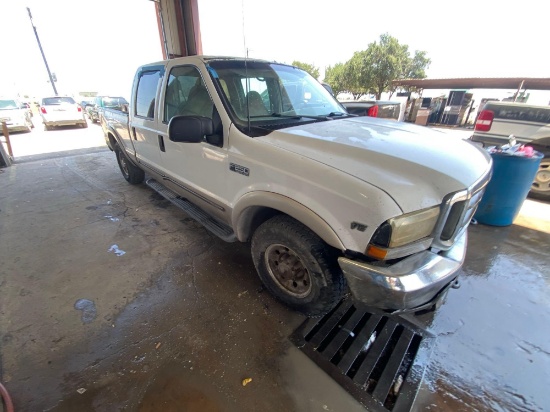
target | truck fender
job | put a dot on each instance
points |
(112, 135)
(250, 211)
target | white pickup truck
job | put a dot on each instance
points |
(261, 152)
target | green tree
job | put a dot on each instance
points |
(310, 68)
(416, 69)
(360, 74)
(374, 69)
(335, 76)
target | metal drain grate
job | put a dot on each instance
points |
(372, 356)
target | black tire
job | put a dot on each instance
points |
(133, 174)
(540, 188)
(297, 267)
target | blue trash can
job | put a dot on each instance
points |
(507, 189)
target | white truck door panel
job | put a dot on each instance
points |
(200, 167)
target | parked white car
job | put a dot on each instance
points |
(61, 111)
(16, 115)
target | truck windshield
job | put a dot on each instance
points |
(262, 91)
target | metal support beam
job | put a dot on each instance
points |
(179, 27)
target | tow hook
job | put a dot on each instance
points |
(455, 284)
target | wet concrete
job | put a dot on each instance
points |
(493, 347)
(180, 319)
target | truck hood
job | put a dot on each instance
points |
(415, 165)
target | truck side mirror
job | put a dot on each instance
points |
(124, 108)
(189, 129)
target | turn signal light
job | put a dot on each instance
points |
(373, 111)
(376, 252)
(79, 108)
(43, 110)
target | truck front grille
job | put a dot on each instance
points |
(457, 211)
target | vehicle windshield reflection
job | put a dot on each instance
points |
(261, 91)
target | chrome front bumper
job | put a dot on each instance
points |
(411, 284)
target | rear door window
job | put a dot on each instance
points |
(146, 94)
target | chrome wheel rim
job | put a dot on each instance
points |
(123, 165)
(287, 270)
(542, 178)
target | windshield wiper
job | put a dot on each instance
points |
(287, 116)
(300, 116)
(304, 116)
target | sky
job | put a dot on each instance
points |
(97, 46)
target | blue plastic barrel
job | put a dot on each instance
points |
(507, 189)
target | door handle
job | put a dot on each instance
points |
(134, 133)
(161, 143)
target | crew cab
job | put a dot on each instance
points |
(528, 124)
(261, 152)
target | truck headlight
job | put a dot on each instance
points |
(402, 230)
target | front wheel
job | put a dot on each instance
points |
(297, 267)
(133, 174)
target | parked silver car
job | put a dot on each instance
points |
(61, 111)
(16, 115)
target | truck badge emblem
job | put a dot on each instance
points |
(358, 226)
(239, 169)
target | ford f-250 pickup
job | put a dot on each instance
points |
(261, 152)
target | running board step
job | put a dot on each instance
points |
(218, 228)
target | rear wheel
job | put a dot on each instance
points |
(297, 267)
(540, 189)
(133, 174)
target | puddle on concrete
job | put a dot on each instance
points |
(89, 311)
(174, 389)
(492, 351)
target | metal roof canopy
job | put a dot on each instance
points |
(478, 83)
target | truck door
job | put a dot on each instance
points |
(197, 169)
(143, 120)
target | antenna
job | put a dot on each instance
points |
(247, 82)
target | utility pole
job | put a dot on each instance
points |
(42, 51)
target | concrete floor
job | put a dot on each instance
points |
(113, 299)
